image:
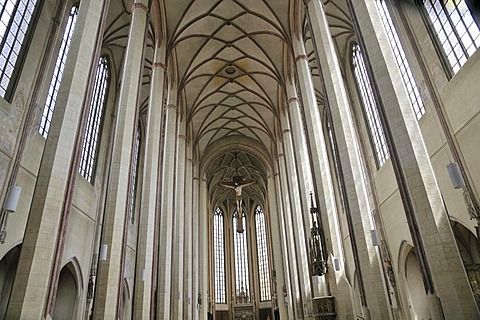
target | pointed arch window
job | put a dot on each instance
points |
(134, 176)
(58, 73)
(377, 134)
(262, 254)
(15, 19)
(242, 285)
(95, 115)
(219, 256)
(401, 59)
(455, 28)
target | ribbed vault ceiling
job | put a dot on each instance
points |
(230, 64)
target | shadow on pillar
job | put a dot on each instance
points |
(8, 269)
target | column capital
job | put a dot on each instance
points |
(293, 99)
(159, 65)
(285, 131)
(301, 57)
(139, 5)
(172, 106)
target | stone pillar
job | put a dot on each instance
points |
(301, 303)
(31, 286)
(298, 214)
(327, 214)
(203, 271)
(188, 234)
(285, 233)
(429, 224)
(367, 264)
(110, 274)
(277, 247)
(179, 226)
(321, 169)
(145, 248)
(196, 236)
(164, 289)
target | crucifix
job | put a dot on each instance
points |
(238, 183)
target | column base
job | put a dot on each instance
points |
(324, 308)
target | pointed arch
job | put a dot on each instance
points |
(69, 288)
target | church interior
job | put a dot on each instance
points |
(239, 159)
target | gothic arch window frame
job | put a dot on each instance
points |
(262, 255)
(241, 268)
(220, 295)
(369, 104)
(88, 168)
(448, 38)
(57, 74)
(11, 71)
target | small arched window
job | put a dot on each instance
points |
(262, 254)
(455, 29)
(219, 256)
(377, 134)
(58, 73)
(15, 19)
(95, 115)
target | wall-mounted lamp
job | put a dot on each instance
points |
(143, 275)
(374, 235)
(455, 175)
(103, 252)
(335, 263)
(458, 182)
(9, 206)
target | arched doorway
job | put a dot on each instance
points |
(67, 293)
(469, 248)
(8, 269)
(417, 298)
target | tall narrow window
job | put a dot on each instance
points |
(92, 130)
(370, 107)
(133, 176)
(401, 59)
(15, 17)
(242, 285)
(58, 73)
(262, 254)
(219, 256)
(456, 30)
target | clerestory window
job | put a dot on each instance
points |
(377, 134)
(262, 254)
(219, 256)
(455, 29)
(95, 115)
(15, 19)
(401, 59)
(58, 73)
(133, 176)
